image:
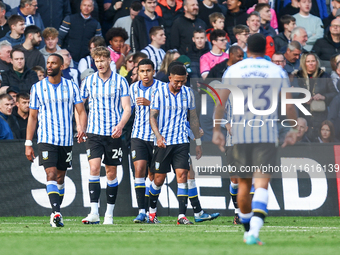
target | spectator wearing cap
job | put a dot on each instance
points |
(5, 58)
(19, 75)
(86, 73)
(28, 10)
(13, 91)
(76, 31)
(126, 21)
(330, 44)
(50, 35)
(68, 72)
(4, 27)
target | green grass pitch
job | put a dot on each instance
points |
(282, 235)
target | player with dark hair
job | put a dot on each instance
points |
(142, 136)
(170, 107)
(51, 103)
(251, 147)
(109, 103)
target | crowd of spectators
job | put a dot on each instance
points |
(302, 36)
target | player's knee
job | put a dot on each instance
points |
(182, 177)
(159, 180)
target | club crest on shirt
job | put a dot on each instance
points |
(184, 97)
(157, 165)
(133, 154)
(45, 155)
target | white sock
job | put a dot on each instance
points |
(141, 211)
(234, 185)
(199, 213)
(152, 210)
(256, 224)
(191, 183)
(109, 209)
(237, 211)
(94, 208)
(181, 216)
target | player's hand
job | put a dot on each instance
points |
(219, 139)
(142, 101)
(81, 135)
(161, 143)
(198, 151)
(290, 138)
(118, 5)
(228, 127)
(201, 132)
(117, 131)
(29, 152)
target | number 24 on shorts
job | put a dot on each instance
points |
(117, 153)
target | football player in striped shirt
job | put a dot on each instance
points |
(255, 145)
(142, 136)
(170, 106)
(154, 50)
(109, 110)
(51, 106)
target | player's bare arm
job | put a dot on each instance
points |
(126, 104)
(153, 123)
(31, 126)
(81, 121)
(218, 137)
(195, 127)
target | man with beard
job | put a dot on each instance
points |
(51, 103)
(32, 55)
(184, 26)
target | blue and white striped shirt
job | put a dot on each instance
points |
(141, 126)
(104, 102)
(173, 112)
(155, 55)
(265, 80)
(55, 110)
